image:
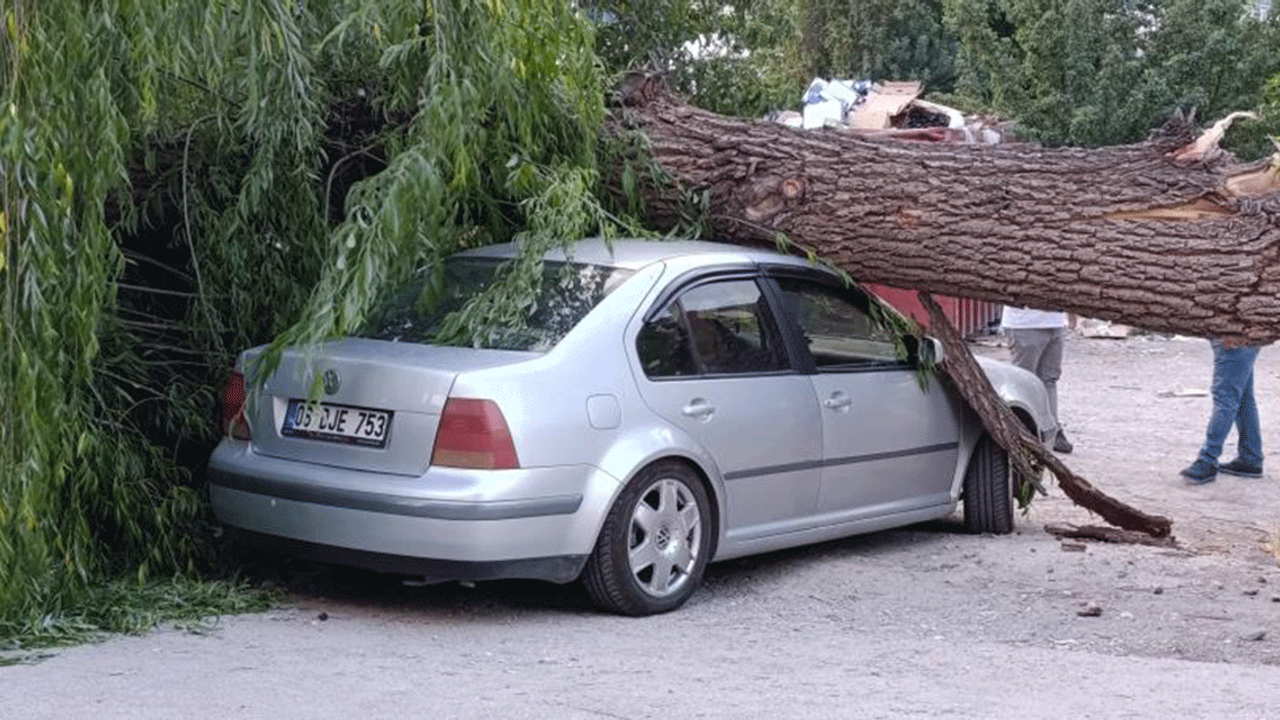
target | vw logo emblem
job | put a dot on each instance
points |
(331, 381)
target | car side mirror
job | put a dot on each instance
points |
(931, 351)
(922, 350)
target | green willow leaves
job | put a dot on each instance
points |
(181, 180)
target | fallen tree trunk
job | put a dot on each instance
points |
(1167, 235)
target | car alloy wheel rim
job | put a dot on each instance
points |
(665, 538)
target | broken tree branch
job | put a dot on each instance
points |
(1107, 534)
(1024, 450)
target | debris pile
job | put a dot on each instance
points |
(887, 109)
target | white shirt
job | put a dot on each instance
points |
(1016, 318)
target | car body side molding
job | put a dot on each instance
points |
(871, 457)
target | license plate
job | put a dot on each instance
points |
(337, 423)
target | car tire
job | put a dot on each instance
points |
(988, 496)
(655, 542)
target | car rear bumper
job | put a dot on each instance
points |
(563, 569)
(445, 524)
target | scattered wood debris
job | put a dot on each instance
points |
(1108, 534)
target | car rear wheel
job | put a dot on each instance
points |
(655, 542)
(988, 497)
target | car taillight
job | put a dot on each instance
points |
(234, 423)
(473, 434)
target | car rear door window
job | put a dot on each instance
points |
(715, 328)
(838, 327)
(664, 347)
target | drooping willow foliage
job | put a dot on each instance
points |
(184, 179)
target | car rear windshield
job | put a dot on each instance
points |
(421, 311)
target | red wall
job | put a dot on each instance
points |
(969, 316)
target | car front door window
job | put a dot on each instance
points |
(839, 328)
(889, 446)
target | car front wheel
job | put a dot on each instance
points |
(655, 542)
(988, 496)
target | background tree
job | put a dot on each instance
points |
(1212, 56)
(1065, 70)
(879, 40)
(1104, 72)
(739, 56)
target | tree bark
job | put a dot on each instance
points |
(1165, 235)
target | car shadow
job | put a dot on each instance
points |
(767, 567)
(316, 585)
(328, 589)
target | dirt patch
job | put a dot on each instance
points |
(1136, 410)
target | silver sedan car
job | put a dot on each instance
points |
(662, 405)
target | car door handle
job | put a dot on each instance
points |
(699, 408)
(837, 401)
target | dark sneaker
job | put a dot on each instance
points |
(1199, 473)
(1241, 469)
(1062, 444)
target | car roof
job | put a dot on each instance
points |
(635, 253)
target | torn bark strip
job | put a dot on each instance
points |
(962, 370)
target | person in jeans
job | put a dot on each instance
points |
(1035, 339)
(1233, 404)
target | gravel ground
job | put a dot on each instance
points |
(920, 622)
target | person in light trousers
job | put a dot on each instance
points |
(1035, 339)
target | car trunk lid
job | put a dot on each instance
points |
(362, 404)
